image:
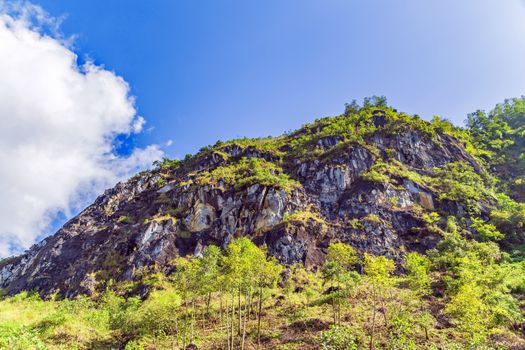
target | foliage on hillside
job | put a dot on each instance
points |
(495, 139)
(247, 172)
(501, 134)
(464, 295)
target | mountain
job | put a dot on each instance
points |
(380, 180)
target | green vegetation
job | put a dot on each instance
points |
(386, 172)
(467, 293)
(167, 164)
(337, 272)
(125, 219)
(495, 139)
(267, 144)
(247, 172)
(338, 338)
(355, 126)
(306, 217)
(230, 300)
(455, 182)
(501, 135)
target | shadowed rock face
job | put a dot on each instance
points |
(164, 213)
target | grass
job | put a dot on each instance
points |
(126, 219)
(161, 218)
(27, 322)
(305, 216)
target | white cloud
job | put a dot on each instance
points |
(58, 122)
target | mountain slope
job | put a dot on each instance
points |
(380, 180)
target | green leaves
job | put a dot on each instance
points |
(500, 134)
(378, 268)
(469, 311)
(340, 260)
(243, 265)
(477, 284)
(485, 231)
(247, 172)
(459, 182)
(343, 255)
(418, 268)
(339, 338)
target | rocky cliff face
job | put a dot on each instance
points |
(294, 194)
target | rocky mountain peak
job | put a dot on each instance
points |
(375, 178)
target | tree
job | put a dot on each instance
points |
(343, 255)
(268, 273)
(186, 281)
(418, 267)
(208, 274)
(486, 231)
(470, 312)
(351, 108)
(340, 260)
(501, 133)
(375, 101)
(378, 269)
(246, 268)
(477, 285)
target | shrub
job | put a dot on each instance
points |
(338, 338)
(124, 219)
(247, 172)
(418, 267)
(156, 316)
(486, 232)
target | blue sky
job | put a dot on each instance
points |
(208, 70)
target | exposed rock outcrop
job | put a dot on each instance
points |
(179, 209)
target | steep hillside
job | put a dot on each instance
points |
(382, 181)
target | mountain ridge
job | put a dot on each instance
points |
(377, 179)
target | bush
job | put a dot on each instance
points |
(486, 232)
(338, 338)
(157, 316)
(247, 172)
(18, 338)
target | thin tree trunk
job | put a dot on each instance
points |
(240, 309)
(193, 320)
(208, 304)
(185, 334)
(233, 318)
(333, 310)
(249, 303)
(383, 305)
(373, 319)
(338, 305)
(246, 305)
(259, 320)
(227, 325)
(177, 331)
(220, 305)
